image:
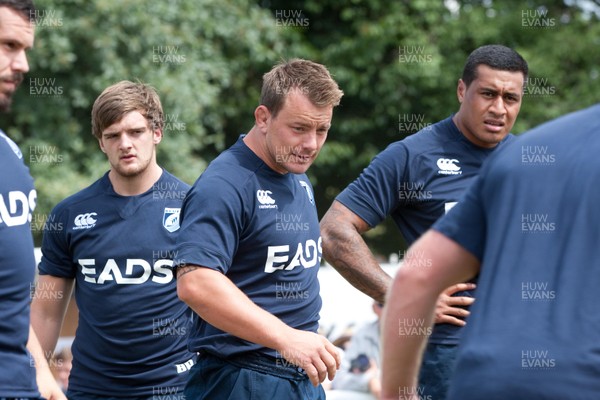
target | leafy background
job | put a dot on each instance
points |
(206, 59)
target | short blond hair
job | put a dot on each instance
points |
(304, 76)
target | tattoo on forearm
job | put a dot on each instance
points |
(350, 255)
(184, 269)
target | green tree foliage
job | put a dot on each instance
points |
(397, 61)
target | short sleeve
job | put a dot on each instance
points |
(56, 256)
(211, 222)
(466, 223)
(374, 194)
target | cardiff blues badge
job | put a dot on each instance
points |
(171, 219)
(306, 186)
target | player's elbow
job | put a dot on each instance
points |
(329, 238)
(416, 273)
(200, 287)
(339, 227)
(185, 289)
(333, 234)
(409, 275)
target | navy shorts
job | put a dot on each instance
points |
(436, 370)
(251, 376)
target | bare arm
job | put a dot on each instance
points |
(411, 304)
(47, 385)
(48, 309)
(220, 303)
(345, 249)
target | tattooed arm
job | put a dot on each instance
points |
(345, 249)
(184, 269)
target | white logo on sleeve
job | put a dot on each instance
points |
(447, 166)
(85, 221)
(265, 199)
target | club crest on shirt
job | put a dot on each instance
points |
(306, 186)
(171, 219)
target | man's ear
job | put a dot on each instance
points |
(157, 136)
(460, 90)
(262, 115)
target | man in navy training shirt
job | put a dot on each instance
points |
(250, 248)
(528, 227)
(17, 202)
(116, 240)
(417, 180)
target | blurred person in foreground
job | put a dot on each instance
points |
(18, 342)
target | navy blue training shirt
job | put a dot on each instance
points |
(17, 271)
(131, 337)
(531, 218)
(259, 228)
(417, 180)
